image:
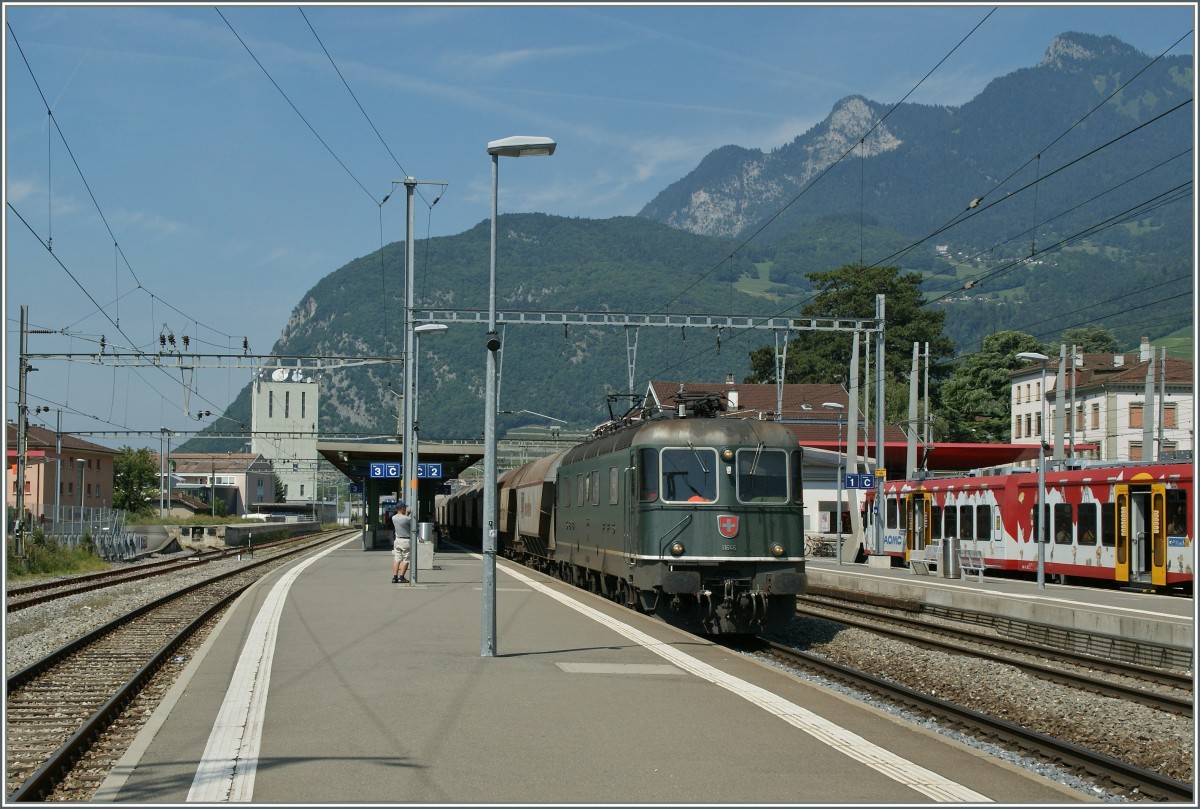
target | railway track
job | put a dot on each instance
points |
(1110, 678)
(19, 598)
(59, 706)
(1119, 776)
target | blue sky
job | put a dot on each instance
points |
(191, 192)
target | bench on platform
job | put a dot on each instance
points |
(972, 562)
(920, 561)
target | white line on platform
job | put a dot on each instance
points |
(230, 759)
(856, 747)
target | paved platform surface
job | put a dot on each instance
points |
(327, 684)
(1129, 614)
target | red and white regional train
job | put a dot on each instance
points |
(1128, 524)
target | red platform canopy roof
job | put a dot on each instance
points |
(950, 457)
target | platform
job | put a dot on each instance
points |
(1130, 614)
(327, 684)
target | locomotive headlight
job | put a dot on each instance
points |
(677, 549)
(727, 455)
(777, 550)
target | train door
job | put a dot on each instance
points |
(1141, 534)
(1121, 559)
(916, 522)
(1158, 534)
(629, 506)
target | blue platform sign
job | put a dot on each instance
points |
(429, 470)
(356, 487)
(384, 469)
(857, 481)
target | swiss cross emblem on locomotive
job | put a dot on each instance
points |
(727, 524)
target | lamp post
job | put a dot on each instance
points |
(516, 146)
(1041, 504)
(82, 480)
(415, 505)
(840, 475)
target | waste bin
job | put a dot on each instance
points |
(949, 565)
(424, 546)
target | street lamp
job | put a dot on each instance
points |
(840, 475)
(516, 146)
(415, 458)
(1041, 504)
(530, 412)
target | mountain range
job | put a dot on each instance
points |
(1060, 196)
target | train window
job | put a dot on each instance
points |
(983, 523)
(1037, 523)
(581, 481)
(594, 487)
(893, 513)
(762, 476)
(1062, 524)
(950, 518)
(648, 475)
(966, 522)
(935, 522)
(614, 486)
(689, 474)
(797, 478)
(1086, 523)
(1177, 513)
(1108, 524)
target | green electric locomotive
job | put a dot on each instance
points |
(682, 514)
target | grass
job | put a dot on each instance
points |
(45, 558)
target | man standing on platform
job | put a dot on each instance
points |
(402, 543)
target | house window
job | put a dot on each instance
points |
(1170, 416)
(1028, 425)
(270, 404)
(1095, 415)
(1079, 419)
(1017, 428)
(1038, 424)
(287, 404)
(1135, 415)
(1135, 450)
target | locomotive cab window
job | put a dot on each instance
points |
(762, 476)
(689, 474)
(648, 475)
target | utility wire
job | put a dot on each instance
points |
(832, 165)
(294, 108)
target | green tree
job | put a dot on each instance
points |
(849, 292)
(135, 479)
(280, 489)
(976, 402)
(1092, 339)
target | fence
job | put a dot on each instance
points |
(110, 538)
